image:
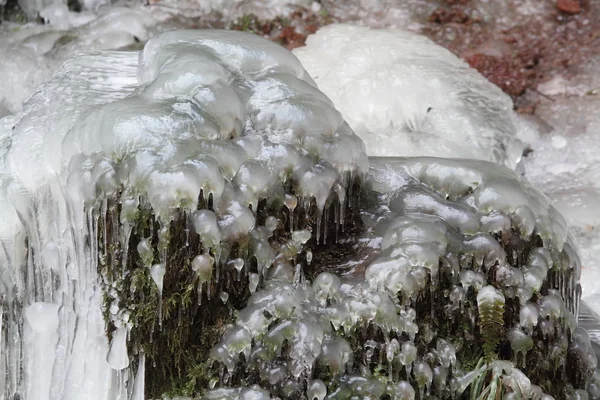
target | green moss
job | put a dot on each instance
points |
(248, 23)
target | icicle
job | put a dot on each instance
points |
(316, 390)
(291, 202)
(145, 251)
(318, 233)
(238, 265)
(129, 210)
(203, 267)
(164, 236)
(158, 272)
(271, 224)
(297, 275)
(104, 213)
(224, 296)
(309, 256)
(325, 223)
(341, 206)
(254, 279)
(187, 231)
(117, 355)
(139, 385)
(391, 349)
(423, 376)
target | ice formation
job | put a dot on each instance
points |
(232, 9)
(199, 131)
(565, 162)
(168, 219)
(38, 50)
(466, 249)
(416, 98)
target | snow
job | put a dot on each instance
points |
(406, 96)
(566, 163)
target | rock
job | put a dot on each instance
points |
(569, 6)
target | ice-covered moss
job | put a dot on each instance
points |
(206, 146)
(473, 264)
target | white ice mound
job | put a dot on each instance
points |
(406, 96)
(223, 117)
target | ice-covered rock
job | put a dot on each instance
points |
(446, 226)
(223, 121)
(406, 96)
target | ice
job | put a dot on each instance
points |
(416, 98)
(117, 355)
(23, 70)
(317, 390)
(229, 10)
(418, 247)
(111, 136)
(43, 320)
(38, 50)
(349, 62)
(565, 159)
(202, 129)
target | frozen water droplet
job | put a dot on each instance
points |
(224, 296)
(254, 279)
(316, 390)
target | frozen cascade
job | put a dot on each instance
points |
(240, 110)
(187, 191)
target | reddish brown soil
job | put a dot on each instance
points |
(290, 32)
(527, 54)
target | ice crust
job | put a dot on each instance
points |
(36, 51)
(226, 117)
(293, 330)
(416, 98)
